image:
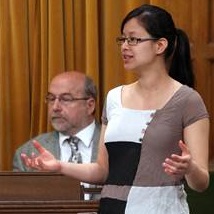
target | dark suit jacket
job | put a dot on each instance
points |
(51, 142)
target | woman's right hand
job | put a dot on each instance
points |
(44, 161)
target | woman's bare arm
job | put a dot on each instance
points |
(86, 172)
(193, 163)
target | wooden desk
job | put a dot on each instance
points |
(51, 207)
(16, 186)
(40, 192)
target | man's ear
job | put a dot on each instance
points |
(91, 103)
(162, 44)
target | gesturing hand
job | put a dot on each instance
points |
(44, 161)
(178, 165)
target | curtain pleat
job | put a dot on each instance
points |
(15, 94)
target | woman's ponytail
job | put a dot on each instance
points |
(181, 62)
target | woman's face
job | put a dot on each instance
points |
(140, 56)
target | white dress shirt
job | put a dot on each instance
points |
(84, 146)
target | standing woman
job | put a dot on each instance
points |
(154, 131)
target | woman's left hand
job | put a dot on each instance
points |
(178, 165)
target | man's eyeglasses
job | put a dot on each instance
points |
(132, 40)
(64, 99)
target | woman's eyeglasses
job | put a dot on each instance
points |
(132, 40)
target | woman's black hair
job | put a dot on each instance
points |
(159, 24)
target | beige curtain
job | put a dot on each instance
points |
(40, 38)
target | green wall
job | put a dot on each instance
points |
(202, 203)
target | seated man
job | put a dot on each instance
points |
(71, 101)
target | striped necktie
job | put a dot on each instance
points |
(75, 153)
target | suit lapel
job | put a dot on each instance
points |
(95, 138)
(53, 144)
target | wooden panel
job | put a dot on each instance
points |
(51, 207)
(204, 57)
(42, 192)
(180, 11)
(38, 187)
